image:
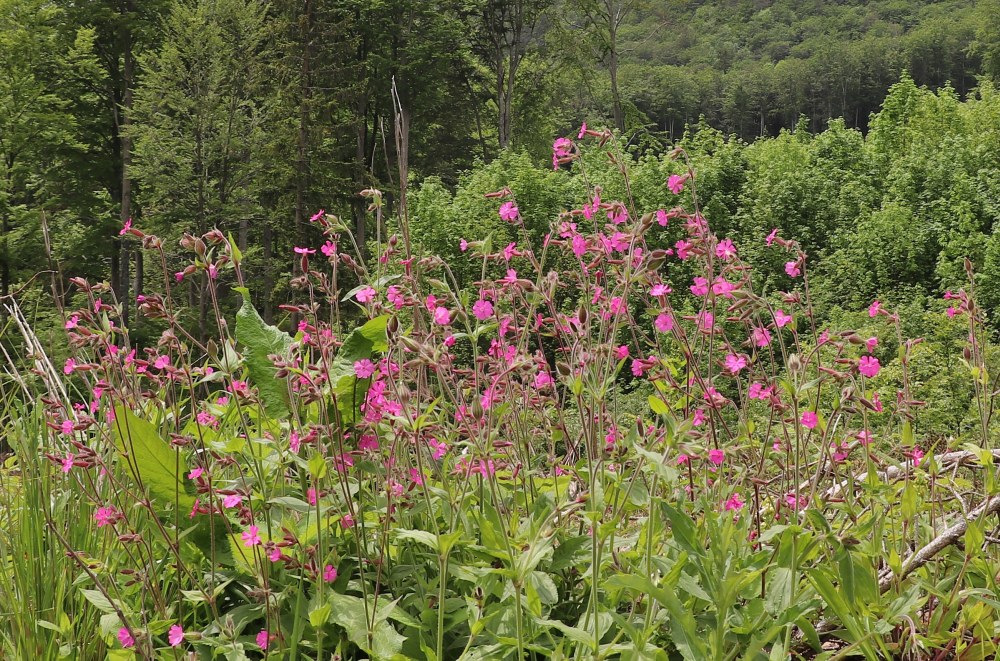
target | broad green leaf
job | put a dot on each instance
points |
(150, 460)
(261, 340)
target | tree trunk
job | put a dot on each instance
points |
(268, 241)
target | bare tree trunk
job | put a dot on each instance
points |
(268, 241)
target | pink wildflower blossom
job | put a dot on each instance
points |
(792, 269)
(251, 536)
(125, 638)
(725, 250)
(676, 183)
(176, 635)
(809, 419)
(869, 366)
(508, 211)
(366, 295)
(664, 323)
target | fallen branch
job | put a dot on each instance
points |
(946, 461)
(951, 535)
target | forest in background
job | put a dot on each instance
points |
(250, 116)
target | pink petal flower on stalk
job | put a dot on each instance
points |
(683, 249)
(664, 323)
(770, 237)
(304, 251)
(700, 286)
(105, 516)
(734, 504)
(508, 211)
(251, 536)
(329, 249)
(579, 246)
(125, 638)
(561, 147)
(621, 352)
(699, 418)
(70, 366)
(125, 228)
(329, 574)
(717, 456)
(195, 473)
(162, 362)
(176, 635)
(725, 250)
(781, 319)
(809, 419)
(706, 321)
(510, 251)
(735, 363)
(363, 369)
(682, 459)
(482, 309)
(722, 287)
(463, 245)
(347, 521)
(792, 269)
(73, 322)
(232, 500)
(916, 454)
(583, 131)
(676, 183)
(543, 379)
(316, 216)
(659, 290)
(662, 218)
(869, 366)
(263, 638)
(951, 312)
(67, 427)
(213, 271)
(874, 309)
(761, 337)
(871, 343)
(442, 316)
(67, 462)
(440, 448)
(366, 295)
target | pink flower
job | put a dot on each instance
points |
(725, 250)
(792, 269)
(482, 309)
(869, 366)
(363, 369)
(125, 638)
(329, 573)
(717, 456)
(126, 227)
(662, 218)
(865, 437)
(347, 521)
(871, 343)
(162, 362)
(463, 245)
(781, 319)
(699, 418)
(809, 419)
(73, 322)
(638, 367)
(734, 504)
(583, 131)
(70, 366)
(682, 459)
(770, 237)
(508, 211)
(232, 500)
(440, 448)
(316, 216)
(735, 363)
(263, 638)
(67, 462)
(304, 251)
(874, 309)
(251, 536)
(664, 323)
(761, 337)
(621, 353)
(700, 286)
(176, 635)
(705, 321)
(722, 287)
(951, 312)
(329, 248)
(676, 183)
(195, 473)
(659, 290)
(543, 379)
(366, 295)
(561, 147)
(579, 245)
(916, 454)
(213, 271)
(442, 316)
(105, 516)
(683, 249)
